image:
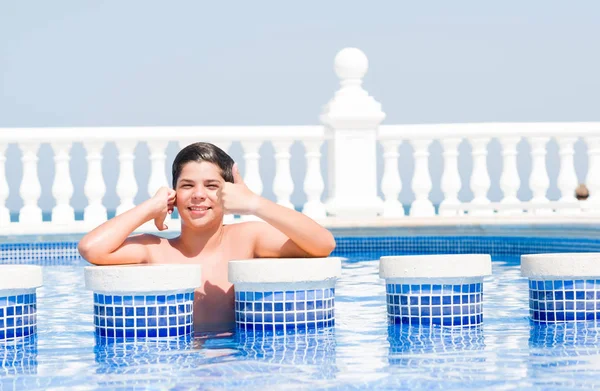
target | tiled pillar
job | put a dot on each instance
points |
(441, 290)
(284, 295)
(143, 302)
(563, 287)
(18, 301)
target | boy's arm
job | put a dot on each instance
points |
(109, 244)
(288, 232)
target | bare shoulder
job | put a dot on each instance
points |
(247, 227)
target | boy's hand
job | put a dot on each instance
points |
(163, 203)
(236, 197)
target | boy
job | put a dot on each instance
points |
(207, 185)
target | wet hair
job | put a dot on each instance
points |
(203, 152)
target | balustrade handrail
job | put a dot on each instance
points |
(488, 129)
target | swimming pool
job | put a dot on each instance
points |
(362, 351)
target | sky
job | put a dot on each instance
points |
(133, 63)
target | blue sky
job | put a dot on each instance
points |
(92, 63)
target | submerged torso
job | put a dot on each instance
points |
(214, 299)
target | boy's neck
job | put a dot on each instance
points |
(193, 241)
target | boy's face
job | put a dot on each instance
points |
(198, 188)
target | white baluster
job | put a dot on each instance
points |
(509, 180)
(283, 185)
(94, 188)
(480, 179)
(593, 179)
(421, 182)
(30, 189)
(252, 174)
(539, 181)
(158, 158)
(313, 183)
(4, 190)
(391, 186)
(62, 188)
(450, 183)
(127, 186)
(567, 177)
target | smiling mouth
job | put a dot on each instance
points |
(199, 208)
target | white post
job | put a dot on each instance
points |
(313, 183)
(158, 158)
(421, 181)
(567, 178)
(126, 184)
(283, 186)
(450, 177)
(593, 177)
(62, 188)
(509, 180)
(4, 191)
(94, 188)
(30, 189)
(252, 174)
(539, 181)
(391, 186)
(480, 179)
(353, 117)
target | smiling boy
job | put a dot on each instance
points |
(207, 185)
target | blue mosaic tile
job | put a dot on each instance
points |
(40, 253)
(435, 304)
(140, 317)
(18, 356)
(564, 300)
(18, 316)
(285, 310)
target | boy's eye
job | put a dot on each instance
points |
(213, 187)
(186, 186)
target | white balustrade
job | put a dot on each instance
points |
(451, 177)
(539, 180)
(421, 182)
(30, 189)
(94, 187)
(313, 183)
(283, 185)
(509, 179)
(391, 186)
(4, 190)
(62, 188)
(127, 186)
(351, 129)
(593, 176)
(567, 178)
(480, 179)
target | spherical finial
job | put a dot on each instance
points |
(351, 63)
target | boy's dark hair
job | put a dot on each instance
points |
(203, 152)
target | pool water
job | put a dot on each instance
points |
(508, 352)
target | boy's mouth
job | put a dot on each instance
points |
(198, 211)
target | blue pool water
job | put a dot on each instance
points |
(362, 352)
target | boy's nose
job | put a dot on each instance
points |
(199, 194)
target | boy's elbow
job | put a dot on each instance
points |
(327, 247)
(87, 252)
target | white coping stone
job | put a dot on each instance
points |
(16, 277)
(435, 266)
(560, 265)
(284, 270)
(142, 278)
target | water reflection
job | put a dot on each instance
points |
(306, 348)
(18, 356)
(451, 353)
(565, 354)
